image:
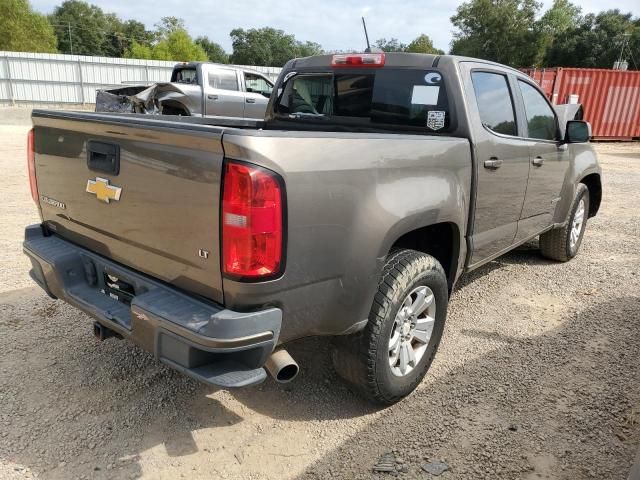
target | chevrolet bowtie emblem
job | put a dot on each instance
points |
(100, 188)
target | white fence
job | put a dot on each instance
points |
(39, 78)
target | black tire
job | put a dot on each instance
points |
(362, 359)
(556, 244)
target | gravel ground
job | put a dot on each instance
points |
(536, 377)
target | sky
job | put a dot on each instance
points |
(334, 24)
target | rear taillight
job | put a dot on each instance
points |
(358, 60)
(252, 218)
(31, 162)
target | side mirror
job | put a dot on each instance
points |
(266, 94)
(577, 131)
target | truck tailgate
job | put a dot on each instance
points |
(164, 219)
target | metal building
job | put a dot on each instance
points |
(38, 78)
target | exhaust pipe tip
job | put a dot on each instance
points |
(281, 366)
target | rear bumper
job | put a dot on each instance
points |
(199, 338)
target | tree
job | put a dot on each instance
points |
(268, 46)
(307, 49)
(172, 43)
(499, 30)
(391, 45)
(214, 51)
(178, 45)
(80, 28)
(123, 34)
(168, 25)
(563, 16)
(23, 30)
(422, 44)
(597, 42)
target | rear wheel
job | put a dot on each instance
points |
(562, 244)
(390, 357)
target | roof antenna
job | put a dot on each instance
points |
(366, 35)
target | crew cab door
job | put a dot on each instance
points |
(257, 91)
(502, 159)
(222, 94)
(549, 158)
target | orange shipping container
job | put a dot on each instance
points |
(610, 98)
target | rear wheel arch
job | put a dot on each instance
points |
(440, 240)
(594, 184)
(173, 107)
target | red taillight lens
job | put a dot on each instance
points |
(358, 60)
(31, 162)
(252, 213)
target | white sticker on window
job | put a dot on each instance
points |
(425, 95)
(435, 119)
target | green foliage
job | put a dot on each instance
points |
(175, 45)
(307, 49)
(391, 45)
(214, 51)
(423, 44)
(85, 29)
(80, 28)
(22, 30)
(506, 31)
(168, 25)
(499, 30)
(268, 46)
(597, 41)
(563, 16)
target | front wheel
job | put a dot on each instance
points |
(390, 357)
(562, 244)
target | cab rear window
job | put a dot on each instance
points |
(185, 75)
(385, 97)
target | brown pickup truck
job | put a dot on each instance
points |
(373, 183)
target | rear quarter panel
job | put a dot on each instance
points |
(350, 196)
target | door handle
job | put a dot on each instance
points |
(537, 162)
(212, 97)
(493, 163)
(251, 100)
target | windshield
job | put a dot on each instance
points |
(386, 97)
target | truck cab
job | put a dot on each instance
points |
(222, 90)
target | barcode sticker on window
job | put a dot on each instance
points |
(435, 119)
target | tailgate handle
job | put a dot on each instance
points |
(103, 157)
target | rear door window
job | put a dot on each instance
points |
(495, 103)
(223, 79)
(402, 98)
(541, 121)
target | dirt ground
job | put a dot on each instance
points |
(537, 376)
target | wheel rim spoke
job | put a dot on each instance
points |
(395, 340)
(404, 357)
(423, 335)
(422, 302)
